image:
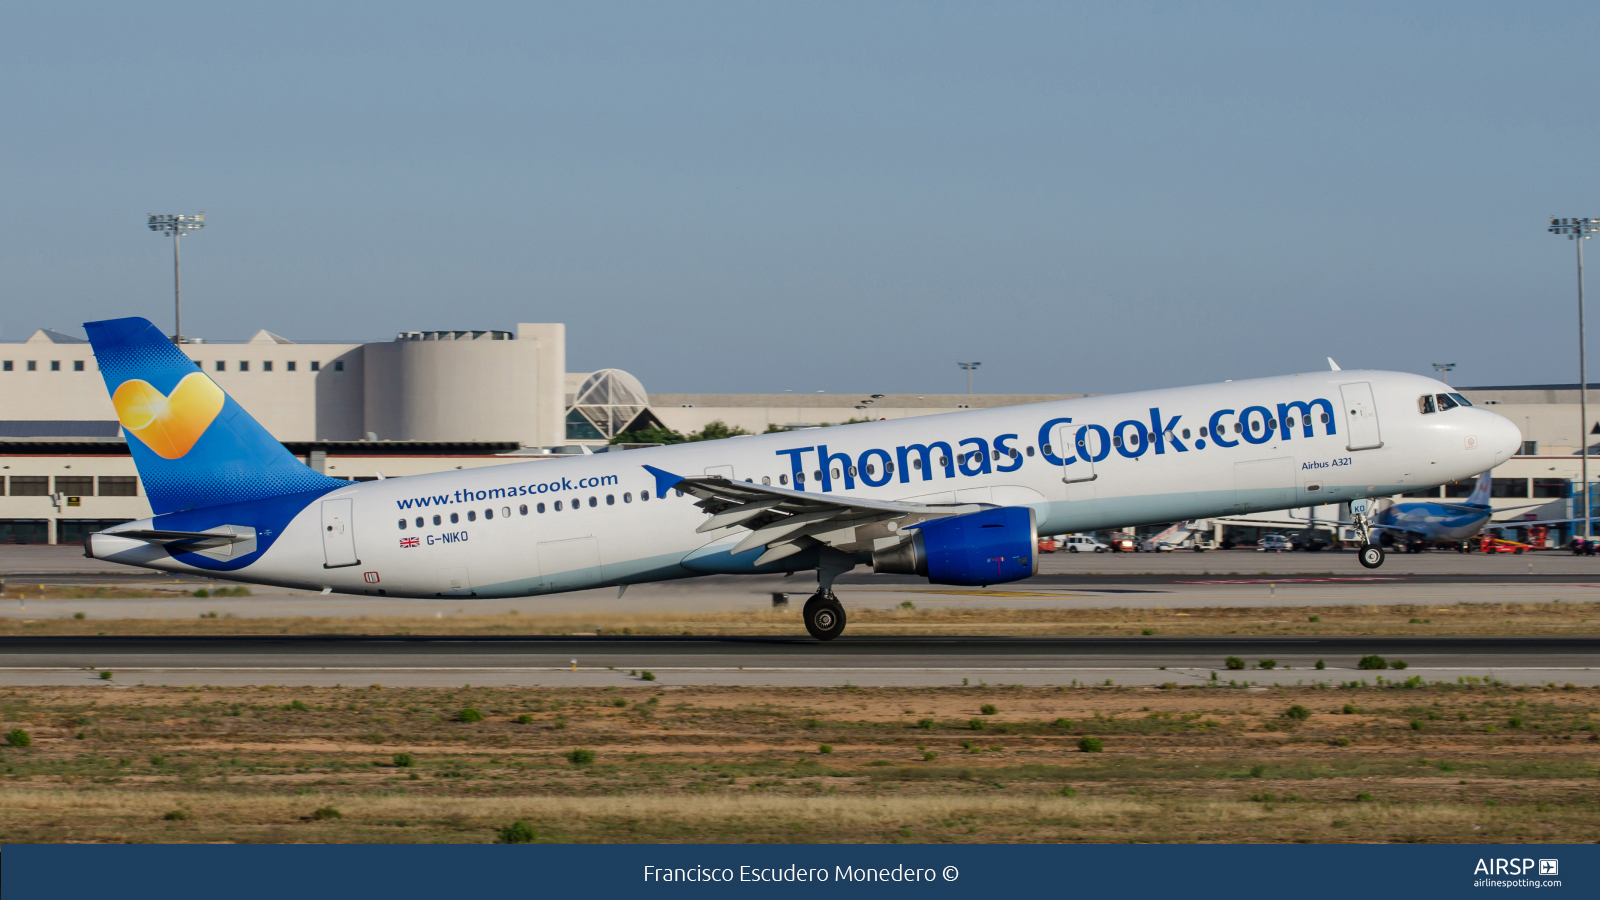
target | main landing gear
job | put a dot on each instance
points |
(824, 616)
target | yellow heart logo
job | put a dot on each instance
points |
(170, 426)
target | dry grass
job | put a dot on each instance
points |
(1458, 619)
(744, 764)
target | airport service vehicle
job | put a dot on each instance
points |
(1274, 542)
(959, 498)
(1194, 535)
(1077, 543)
(1122, 542)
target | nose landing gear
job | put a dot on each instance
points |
(1371, 555)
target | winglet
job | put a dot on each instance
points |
(665, 481)
(1333, 366)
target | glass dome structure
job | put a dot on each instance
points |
(606, 404)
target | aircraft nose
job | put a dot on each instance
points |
(1502, 437)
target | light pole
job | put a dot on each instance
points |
(1578, 230)
(177, 226)
(969, 366)
(1444, 370)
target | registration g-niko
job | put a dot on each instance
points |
(958, 498)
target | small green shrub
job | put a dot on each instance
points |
(177, 815)
(988, 709)
(158, 761)
(1349, 710)
(581, 757)
(297, 705)
(1091, 745)
(1372, 661)
(1363, 797)
(929, 756)
(526, 719)
(1398, 664)
(1148, 631)
(1233, 663)
(518, 832)
(1068, 791)
(325, 813)
(1488, 729)
(202, 593)
(1416, 724)
(907, 604)
(468, 714)
(1342, 742)
(1321, 665)
(403, 760)
(1316, 618)
(1514, 722)
(648, 676)
(977, 724)
(619, 702)
(105, 674)
(1258, 771)
(16, 737)
(1266, 664)
(824, 748)
(925, 724)
(1298, 713)
(79, 615)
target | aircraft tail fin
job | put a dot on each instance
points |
(194, 445)
(1480, 493)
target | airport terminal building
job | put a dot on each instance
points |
(428, 401)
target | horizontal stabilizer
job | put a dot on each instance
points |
(191, 539)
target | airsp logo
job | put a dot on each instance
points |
(1516, 867)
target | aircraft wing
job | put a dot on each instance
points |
(1519, 523)
(786, 521)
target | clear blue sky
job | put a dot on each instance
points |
(842, 197)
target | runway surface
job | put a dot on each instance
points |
(767, 661)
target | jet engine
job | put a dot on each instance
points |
(989, 547)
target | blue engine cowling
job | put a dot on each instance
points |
(989, 547)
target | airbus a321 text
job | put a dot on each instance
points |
(959, 498)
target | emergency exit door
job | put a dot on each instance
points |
(1361, 417)
(338, 535)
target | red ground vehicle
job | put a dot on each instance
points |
(1122, 542)
(1500, 545)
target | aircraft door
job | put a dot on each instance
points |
(1361, 417)
(338, 534)
(1084, 446)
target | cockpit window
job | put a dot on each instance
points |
(1425, 403)
(1461, 400)
(1446, 403)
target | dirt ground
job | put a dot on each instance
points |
(1443, 763)
(1562, 618)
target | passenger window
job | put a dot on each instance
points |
(871, 470)
(454, 518)
(539, 508)
(1237, 427)
(1045, 448)
(402, 525)
(1446, 403)
(611, 499)
(1030, 451)
(888, 468)
(1203, 432)
(1255, 425)
(523, 509)
(783, 479)
(488, 514)
(765, 479)
(437, 520)
(558, 506)
(852, 471)
(1186, 434)
(1271, 424)
(1425, 403)
(593, 502)
(944, 462)
(1324, 418)
(1116, 440)
(472, 516)
(505, 511)
(917, 464)
(836, 473)
(419, 521)
(644, 495)
(627, 497)
(817, 475)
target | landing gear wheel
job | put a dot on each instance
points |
(1372, 556)
(824, 617)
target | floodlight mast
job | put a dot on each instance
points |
(1444, 370)
(969, 366)
(1578, 231)
(177, 226)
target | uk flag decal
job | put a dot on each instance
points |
(407, 542)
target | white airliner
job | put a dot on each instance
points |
(959, 498)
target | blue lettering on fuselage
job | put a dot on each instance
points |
(1131, 438)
